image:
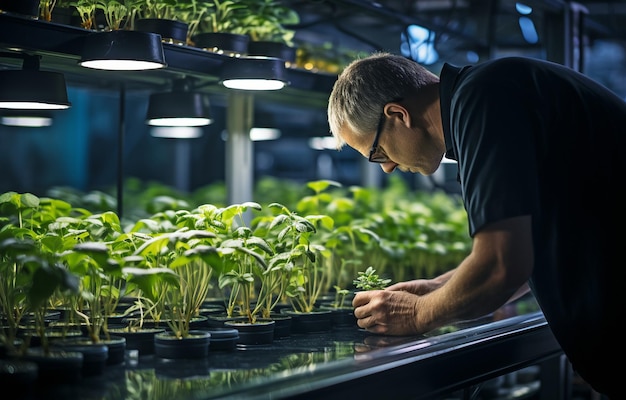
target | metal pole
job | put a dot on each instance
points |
(239, 151)
(575, 35)
(181, 164)
(372, 174)
(120, 153)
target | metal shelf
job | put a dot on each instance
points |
(425, 368)
(345, 362)
(60, 47)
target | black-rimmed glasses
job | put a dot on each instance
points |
(375, 155)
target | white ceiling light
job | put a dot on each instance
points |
(254, 73)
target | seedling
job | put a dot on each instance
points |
(369, 280)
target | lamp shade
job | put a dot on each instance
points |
(176, 132)
(179, 108)
(33, 90)
(26, 118)
(122, 50)
(28, 8)
(254, 73)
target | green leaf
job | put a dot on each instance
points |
(47, 278)
(227, 279)
(30, 200)
(326, 221)
(14, 247)
(304, 226)
(197, 233)
(365, 235)
(259, 258)
(260, 244)
(321, 185)
(153, 246)
(278, 259)
(180, 261)
(147, 278)
(279, 219)
(96, 250)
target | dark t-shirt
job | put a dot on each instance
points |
(536, 138)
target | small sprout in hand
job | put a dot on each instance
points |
(369, 280)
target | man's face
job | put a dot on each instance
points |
(398, 146)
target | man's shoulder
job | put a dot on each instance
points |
(507, 66)
(503, 75)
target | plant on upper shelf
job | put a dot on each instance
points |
(118, 14)
(192, 12)
(189, 12)
(45, 9)
(222, 16)
(370, 280)
(227, 16)
(268, 20)
(159, 9)
(86, 11)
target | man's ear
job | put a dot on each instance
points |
(397, 110)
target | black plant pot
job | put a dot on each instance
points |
(272, 49)
(251, 334)
(211, 309)
(117, 349)
(223, 339)
(196, 345)
(94, 354)
(341, 317)
(49, 317)
(57, 366)
(141, 340)
(199, 322)
(18, 378)
(65, 328)
(282, 329)
(117, 319)
(53, 332)
(310, 322)
(63, 15)
(8, 351)
(231, 44)
(171, 31)
(146, 323)
(217, 320)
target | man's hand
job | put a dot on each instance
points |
(387, 312)
(419, 286)
(495, 271)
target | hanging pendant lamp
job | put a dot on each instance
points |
(30, 88)
(254, 73)
(179, 107)
(122, 50)
(26, 118)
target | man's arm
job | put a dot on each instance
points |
(423, 286)
(499, 265)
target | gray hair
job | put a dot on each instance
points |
(366, 85)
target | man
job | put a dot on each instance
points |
(538, 151)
